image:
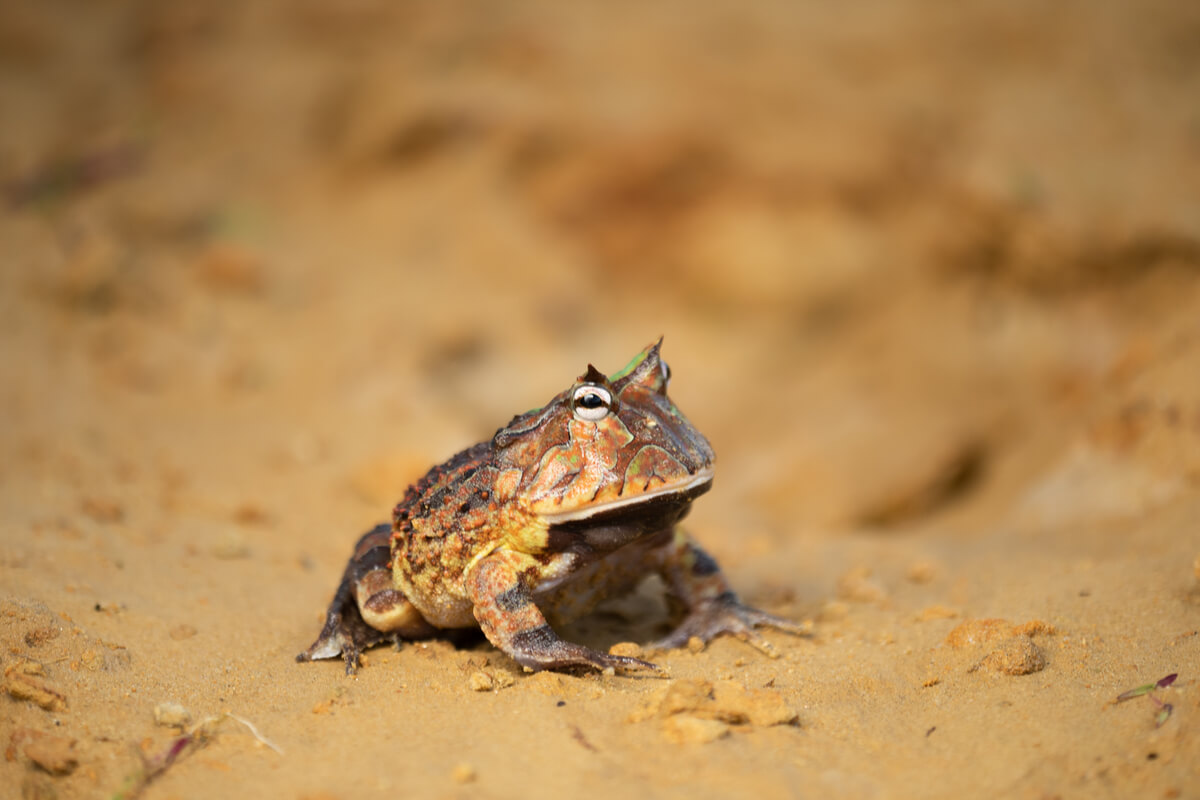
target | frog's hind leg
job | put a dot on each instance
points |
(367, 608)
(712, 607)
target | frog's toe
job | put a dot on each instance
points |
(542, 649)
(346, 641)
(624, 664)
(633, 665)
(345, 633)
(727, 615)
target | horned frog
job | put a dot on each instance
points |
(565, 506)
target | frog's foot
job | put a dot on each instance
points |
(511, 621)
(345, 633)
(366, 609)
(725, 614)
(541, 648)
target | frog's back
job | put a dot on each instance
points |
(446, 493)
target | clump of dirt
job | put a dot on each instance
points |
(1006, 648)
(699, 711)
(50, 752)
(23, 681)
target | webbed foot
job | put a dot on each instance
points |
(541, 648)
(725, 614)
(345, 632)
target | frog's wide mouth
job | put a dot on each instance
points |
(684, 491)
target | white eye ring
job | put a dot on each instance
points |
(591, 402)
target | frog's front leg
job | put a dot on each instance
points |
(694, 578)
(504, 608)
(367, 608)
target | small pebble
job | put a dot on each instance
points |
(626, 649)
(463, 773)
(481, 682)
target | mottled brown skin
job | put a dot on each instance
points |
(565, 506)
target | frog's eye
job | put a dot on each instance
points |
(591, 402)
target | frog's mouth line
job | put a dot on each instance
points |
(695, 486)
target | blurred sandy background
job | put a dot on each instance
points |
(928, 277)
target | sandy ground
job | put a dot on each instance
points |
(929, 278)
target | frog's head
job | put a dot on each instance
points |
(608, 443)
